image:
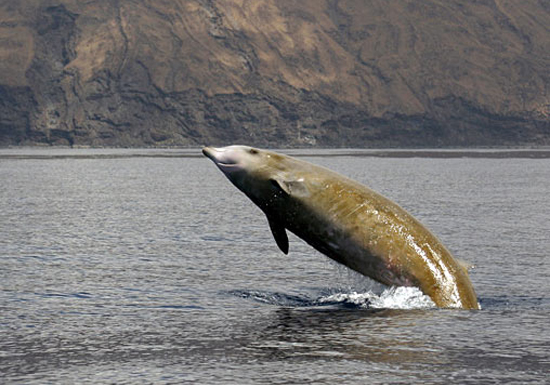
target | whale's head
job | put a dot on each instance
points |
(262, 175)
(235, 161)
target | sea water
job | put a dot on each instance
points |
(141, 266)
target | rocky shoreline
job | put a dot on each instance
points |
(119, 153)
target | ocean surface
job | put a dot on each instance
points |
(142, 266)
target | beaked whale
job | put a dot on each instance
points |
(347, 222)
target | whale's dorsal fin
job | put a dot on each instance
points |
(279, 233)
(466, 266)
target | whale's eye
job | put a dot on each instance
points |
(253, 151)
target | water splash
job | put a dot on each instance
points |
(391, 298)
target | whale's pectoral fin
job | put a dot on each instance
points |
(281, 185)
(279, 233)
(292, 187)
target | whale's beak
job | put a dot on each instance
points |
(209, 153)
(225, 158)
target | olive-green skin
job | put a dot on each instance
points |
(347, 222)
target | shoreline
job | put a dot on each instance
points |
(120, 153)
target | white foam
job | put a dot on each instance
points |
(392, 298)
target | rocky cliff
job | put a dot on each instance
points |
(275, 72)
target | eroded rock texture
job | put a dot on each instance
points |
(275, 72)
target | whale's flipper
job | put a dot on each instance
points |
(292, 187)
(279, 233)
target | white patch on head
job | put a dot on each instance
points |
(233, 158)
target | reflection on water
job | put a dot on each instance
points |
(117, 267)
(345, 334)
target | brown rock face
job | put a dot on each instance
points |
(275, 73)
